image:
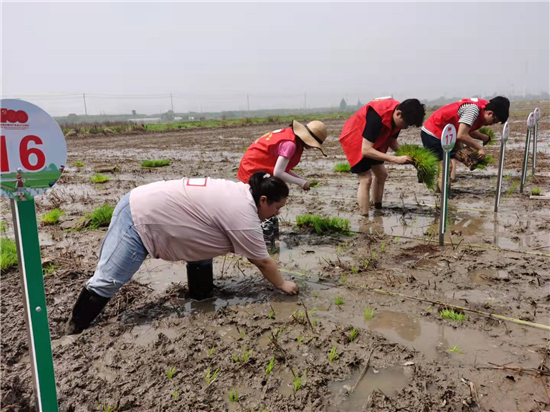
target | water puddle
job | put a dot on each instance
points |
(142, 335)
(388, 381)
(485, 277)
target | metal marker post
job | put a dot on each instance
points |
(505, 135)
(530, 125)
(36, 315)
(448, 139)
(33, 153)
(536, 112)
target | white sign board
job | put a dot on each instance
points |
(531, 120)
(505, 132)
(33, 151)
(448, 138)
(537, 114)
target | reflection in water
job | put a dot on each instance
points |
(405, 325)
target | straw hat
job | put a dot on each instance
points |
(313, 134)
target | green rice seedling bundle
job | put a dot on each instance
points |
(155, 163)
(8, 258)
(425, 162)
(100, 217)
(489, 132)
(323, 224)
(52, 217)
(342, 168)
(99, 178)
(483, 163)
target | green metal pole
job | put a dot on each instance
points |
(34, 299)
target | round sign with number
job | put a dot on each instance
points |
(531, 120)
(505, 132)
(33, 151)
(448, 138)
(537, 114)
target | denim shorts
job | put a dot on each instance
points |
(121, 254)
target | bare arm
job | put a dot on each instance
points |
(476, 134)
(394, 144)
(369, 151)
(269, 269)
(463, 136)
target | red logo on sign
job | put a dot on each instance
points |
(12, 116)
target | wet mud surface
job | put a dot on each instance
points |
(417, 361)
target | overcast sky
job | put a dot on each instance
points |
(211, 55)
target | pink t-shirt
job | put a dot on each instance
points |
(286, 148)
(197, 219)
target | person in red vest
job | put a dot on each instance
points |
(368, 135)
(467, 115)
(277, 153)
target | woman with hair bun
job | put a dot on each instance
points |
(183, 220)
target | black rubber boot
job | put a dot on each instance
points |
(88, 305)
(378, 205)
(200, 279)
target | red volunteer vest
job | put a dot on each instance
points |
(449, 114)
(257, 157)
(351, 138)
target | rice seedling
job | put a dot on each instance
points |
(299, 381)
(100, 217)
(333, 355)
(536, 191)
(354, 270)
(79, 164)
(490, 133)
(156, 163)
(175, 394)
(314, 322)
(8, 254)
(170, 372)
(314, 183)
(397, 239)
(452, 315)
(211, 351)
(105, 407)
(99, 178)
(233, 396)
(211, 377)
(353, 334)
(244, 357)
(511, 189)
(323, 225)
(338, 301)
(3, 226)
(299, 339)
(272, 314)
(49, 268)
(483, 163)
(298, 171)
(270, 365)
(507, 177)
(456, 349)
(52, 217)
(342, 168)
(383, 247)
(425, 162)
(373, 255)
(369, 312)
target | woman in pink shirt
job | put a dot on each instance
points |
(186, 219)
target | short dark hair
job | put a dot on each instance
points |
(412, 111)
(500, 106)
(269, 186)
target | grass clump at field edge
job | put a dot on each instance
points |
(100, 217)
(323, 224)
(155, 163)
(8, 258)
(52, 217)
(99, 178)
(425, 162)
(342, 168)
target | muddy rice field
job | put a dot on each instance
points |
(387, 282)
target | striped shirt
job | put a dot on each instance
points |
(468, 114)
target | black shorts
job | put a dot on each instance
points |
(365, 164)
(434, 144)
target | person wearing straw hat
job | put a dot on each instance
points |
(367, 136)
(277, 153)
(467, 116)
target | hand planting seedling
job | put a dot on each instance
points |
(99, 178)
(353, 334)
(155, 163)
(342, 168)
(270, 365)
(536, 191)
(369, 312)
(338, 301)
(233, 396)
(332, 356)
(452, 315)
(323, 225)
(170, 372)
(425, 162)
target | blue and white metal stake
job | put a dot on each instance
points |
(505, 135)
(448, 139)
(536, 112)
(530, 126)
